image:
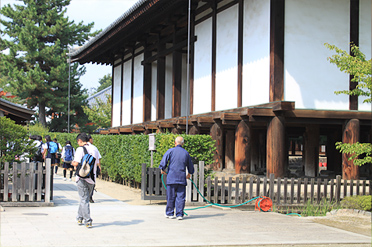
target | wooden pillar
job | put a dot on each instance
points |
(176, 79)
(350, 135)
(276, 50)
(275, 148)
(194, 130)
(311, 150)
(217, 135)
(229, 149)
(147, 68)
(160, 91)
(191, 67)
(240, 52)
(242, 148)
(214, 55)
(132, 87)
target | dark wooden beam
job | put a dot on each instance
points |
(275, 150)
(214, 56)
(240, 52)
(350, 135)
(276, 50)
(311, 150)
(122, 92)
(160, 92)
(176, 79)
(354, 39)
(132, 89)
(242, 148)
(147, 69)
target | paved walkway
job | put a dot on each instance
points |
(116, 223)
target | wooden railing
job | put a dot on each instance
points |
(26, 184)
(284, 191)
(235, 190)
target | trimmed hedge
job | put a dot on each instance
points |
(122, 155)
(357, 202)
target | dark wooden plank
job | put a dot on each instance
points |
(132, 88)
(214, 54)
(147, 84)
(223, 190)
(338, 189)
(240, 52)
(191, 62)
(357, 187)
(331, 192)
(176, 79)
(215, 191)
(157, 181)
(6, 182)
(318, 190)
(237, 189)
(312, 182)
(271, 186)
(265, 192)
(209, 188)
(250, 196)
(15, 183)
(276, 50)
(121, 92)
(305, 190)
(22, 189)
(258, 186)
(242, 148)
(285, 190)
(351, 187)
(364, 187)
(354, 39)
(350, 135)
(143, 181)
(160, 91)
(292, 191)
(279, 185)
(325, 189)
(345, 187)
(299, 182)
(151, 181)
(229, 191)
(244, 189)
(311, 159)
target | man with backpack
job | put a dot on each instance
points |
(50, 149)
(67, 156)
(85, 184)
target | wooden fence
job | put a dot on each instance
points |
(282, 191)
(152, 187)
(26, 184)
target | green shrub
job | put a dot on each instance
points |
(123, 155)
(14, 142)
(357, 202)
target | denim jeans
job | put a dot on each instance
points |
(85, 190)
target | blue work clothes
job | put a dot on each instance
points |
(176, 194)
(178, 159)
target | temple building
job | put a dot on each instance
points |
(253, 74)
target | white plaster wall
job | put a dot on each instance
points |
(184, 100)
(309, 79)
(227, 58)
(256, 52)
(116, 98)
(168, 87)
(127, 87)
(153, 90)
(365, 40)
(203, 67)
(138, 90)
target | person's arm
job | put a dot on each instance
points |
(44, 150)
(164, 162)
(190, 168)
(77, 158)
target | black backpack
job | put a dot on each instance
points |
(38, 153)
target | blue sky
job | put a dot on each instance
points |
(102, 13)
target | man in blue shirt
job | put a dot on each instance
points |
(178, 159)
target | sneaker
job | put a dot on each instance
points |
(91, 200)
(64, 179)
(89, 224)
(80, 222)
(69, 179)
(179, 218)
(169, 216)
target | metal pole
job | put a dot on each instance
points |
(69, 76)
(188, 69)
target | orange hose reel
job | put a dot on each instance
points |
(264, 204)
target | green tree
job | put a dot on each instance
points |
(104, 82)
(360, 69)
(37, 34)
(100, 113)
(14, 141)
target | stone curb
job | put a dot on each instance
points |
(349, 211)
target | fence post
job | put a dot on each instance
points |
(47, 180)
(15, 185)
(143, 181)
(271, 187)
(6, 181)
(201, 180)
(338, 188)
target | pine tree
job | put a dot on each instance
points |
(104, 82)
(37, 35)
